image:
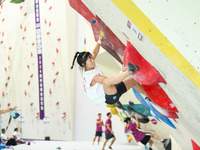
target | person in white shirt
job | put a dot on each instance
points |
(17, 137)
(5, 140)
(99, 88)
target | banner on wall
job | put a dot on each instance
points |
(39, 54)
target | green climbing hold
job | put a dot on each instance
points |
(16, 1)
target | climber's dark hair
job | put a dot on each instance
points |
(81, 58)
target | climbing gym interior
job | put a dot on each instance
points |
(48, 101)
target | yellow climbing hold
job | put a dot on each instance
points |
(102, 34)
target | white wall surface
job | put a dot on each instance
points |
(57, 21)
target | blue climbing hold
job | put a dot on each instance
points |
(93, 21)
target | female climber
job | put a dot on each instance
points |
(99, 88)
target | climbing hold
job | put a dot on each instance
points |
(3, 93)
(146, 74)
(50, 90)
(48, 33)
(21, 7)
(37, 115)
(50, 7)
(45, 1)
(31, 75)
(25, 13)
(21, 26)
(58, 147)
(31, 103)
(10, 48)
(194, 145)
(8, 57)
(102, 34)
(24, 29)
(56, 50)
(23, 37)
(5, 69)
(3, 19)
(2, 33)
(113, 110)
(58, 39)
(8, 78)
(25, 92)
(49, 23)
(93, 21)
(1, 42)
(154, 121)
(31, 54)
(33, 44)
(6, 84)
(57, 73)
(45, 21)
(53, 63)
(57, 103)
(8, 104)
(54, 80)
(28, 66)
(29, 82)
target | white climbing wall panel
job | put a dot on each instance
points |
(19, 67)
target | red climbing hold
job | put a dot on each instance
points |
(45, 21)
(53, 63)
(23, 37)
(24, 29)
(1, 42)
(58, 39)
(3, 93)
(33, 44)
(3, 19)
(54, 80)
(31, 75)
(49, 23)
(21, 26)
(31, 103)
(21, 7)
(8, 104)
(146, 74)
(158, 96)
(25, 13)
(5, 69)
(6, 84)
(48, 33)
(2, 33)
(31, 54)
(25, 92)
(57, 103)
(57, 50)
(50, 7)
(8, 57)
(50, 90)
(195, 146)
(8, 78)
(57, 73)
(28, 66)
(29, 82)
(10, 48)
